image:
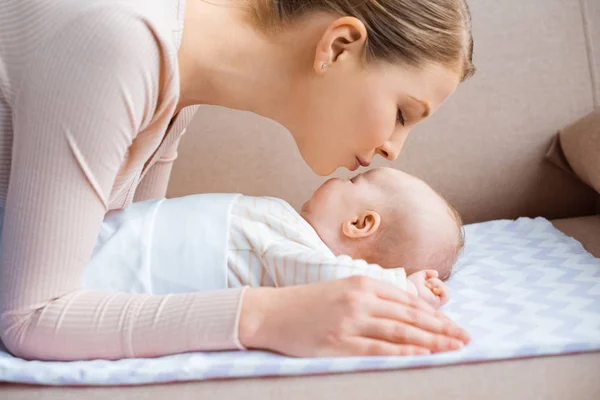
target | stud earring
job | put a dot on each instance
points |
(323, 65)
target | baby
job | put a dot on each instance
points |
(383, 223)
(392, 219)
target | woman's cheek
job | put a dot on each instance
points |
(378, 124)
(375, 134)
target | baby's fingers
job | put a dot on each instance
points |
(436, 282)
(431, 274)
(439, 289)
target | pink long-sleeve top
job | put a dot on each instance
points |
(88, 93)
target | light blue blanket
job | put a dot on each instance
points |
(521, 288)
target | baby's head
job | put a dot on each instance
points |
(387, 217)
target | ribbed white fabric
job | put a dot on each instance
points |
(87, 92)
(270, 244)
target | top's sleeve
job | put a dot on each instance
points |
(291, 263)
(87, 93)
(156, 181)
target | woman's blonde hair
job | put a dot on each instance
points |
(412, 31)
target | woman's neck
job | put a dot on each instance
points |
(224, 61)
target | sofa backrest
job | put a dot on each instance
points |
(538, 67)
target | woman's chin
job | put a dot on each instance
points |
(321, 169)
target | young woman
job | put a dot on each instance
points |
(94, 97)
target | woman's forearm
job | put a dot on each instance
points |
(91, 325)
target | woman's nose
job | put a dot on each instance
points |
(388, 151)
(392, 147)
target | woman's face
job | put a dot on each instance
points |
(349, 112)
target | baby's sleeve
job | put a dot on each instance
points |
(290, 263)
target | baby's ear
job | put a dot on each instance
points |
(362, 226)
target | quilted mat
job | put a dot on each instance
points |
(521, 289)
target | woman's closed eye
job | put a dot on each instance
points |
(400, 117)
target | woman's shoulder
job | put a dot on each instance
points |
(162, 18)
(71, 30)
(103, 47)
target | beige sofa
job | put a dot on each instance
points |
(538, 70)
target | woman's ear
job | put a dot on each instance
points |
(366, 224)
(345, 37)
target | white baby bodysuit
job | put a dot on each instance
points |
(270, 244)
(214, 241)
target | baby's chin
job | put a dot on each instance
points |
(305, 213)
(304, 209)
(312, 213)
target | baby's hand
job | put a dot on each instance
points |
(427, 286)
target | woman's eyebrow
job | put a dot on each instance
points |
(424, 104)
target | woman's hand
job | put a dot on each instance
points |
(346, 317)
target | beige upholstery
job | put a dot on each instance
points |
(580, 145)
(485, 147)
(585, 229)
(539, 70)
(554, 378)
(591, 17)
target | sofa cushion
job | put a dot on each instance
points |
(576, 149)
(482, 150)
(584, 229)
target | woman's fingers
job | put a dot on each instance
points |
(344, 317)
(400, 332)
(412, 316)
(453, 330)
(387, 291)
(456, 331)
(373, 347)
(402, 299)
